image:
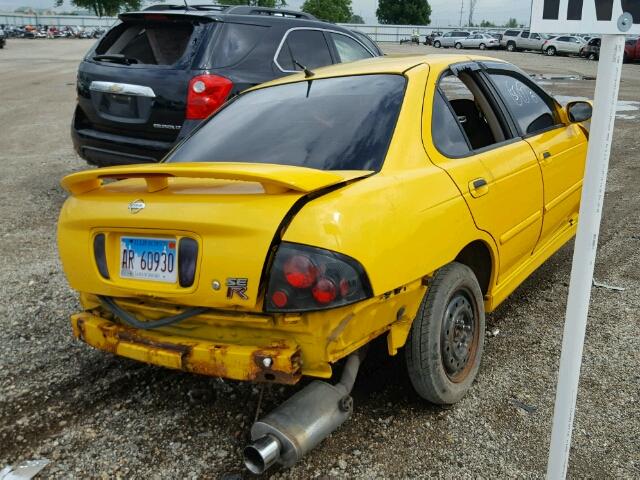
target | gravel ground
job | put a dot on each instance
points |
(95, 415)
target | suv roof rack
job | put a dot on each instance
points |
(206, 7)
(235, 9)
(273, 12)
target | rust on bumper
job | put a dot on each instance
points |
(235, 362)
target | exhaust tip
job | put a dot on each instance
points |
(261, 454)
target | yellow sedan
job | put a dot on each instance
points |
(396, 197)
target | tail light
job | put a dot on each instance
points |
(99, 252)
(187, 258)
(206, 94)
(306, 278)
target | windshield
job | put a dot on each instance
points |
(343, 123)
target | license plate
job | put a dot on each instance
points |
(148, 259)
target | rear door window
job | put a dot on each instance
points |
(348, 49)
(304, 47)
(236, 41)
(148, 42)
(464, 117)
(447, 134)
(343, 123)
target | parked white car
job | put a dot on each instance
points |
(563, 44)
(478, 40)
(449, 39)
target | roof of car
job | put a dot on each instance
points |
(237, 14)
(377, 65)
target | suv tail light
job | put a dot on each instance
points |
(206, 94)
(306, 278)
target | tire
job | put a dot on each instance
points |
(458, 46)
(592, 56)
(511, 47)
(551, 51)
(437, 44)
(452, 307)
(482, 46)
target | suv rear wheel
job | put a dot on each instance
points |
(447, 336)
(511, 47)
(483, 46)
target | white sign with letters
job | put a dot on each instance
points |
(586, 16)
(613, 19)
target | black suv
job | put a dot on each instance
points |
(159, 72)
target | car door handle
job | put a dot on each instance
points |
(479, 183)
(546, 155)
(478, 187)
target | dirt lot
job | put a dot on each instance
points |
(94, 415)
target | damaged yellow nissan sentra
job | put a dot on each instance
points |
(402, 197)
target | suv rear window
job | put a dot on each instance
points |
(148, 42)
(343, 123)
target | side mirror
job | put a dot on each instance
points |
(579, 111)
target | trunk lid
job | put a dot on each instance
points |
(137, 77)
(233, 211)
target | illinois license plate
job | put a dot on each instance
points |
(145, 258)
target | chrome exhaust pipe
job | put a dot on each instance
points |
(298, 425)
(262, 454)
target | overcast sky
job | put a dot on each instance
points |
(445, 12)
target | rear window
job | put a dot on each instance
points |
(343, 123)
(511, 33)
(148, 42)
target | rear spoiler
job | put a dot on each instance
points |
(166, 15)
(273, 178)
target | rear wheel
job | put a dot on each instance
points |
(447, 336)
(551, 51)
(458, 46)
(437, 44)
(483, 46)
(511, 47)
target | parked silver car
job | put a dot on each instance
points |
(449, 39)
(478, 40)
(514, 40)
(563, 44)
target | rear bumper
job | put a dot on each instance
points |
(106, 149)
(235, 362)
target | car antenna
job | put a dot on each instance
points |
(186, 5)
(307, 73)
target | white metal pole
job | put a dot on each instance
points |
(595, 178)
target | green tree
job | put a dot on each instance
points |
(329, 10)
(512, 23)
(256, 3)
(356, 19)
(105, 8)
(487, 24)
(404, 12)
